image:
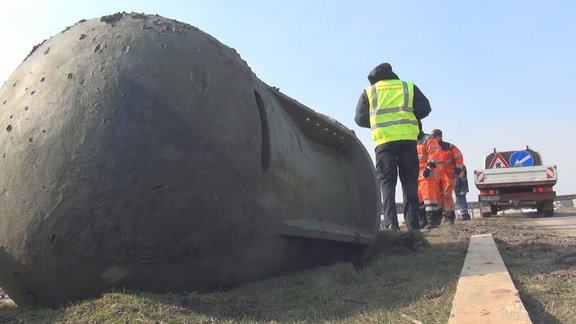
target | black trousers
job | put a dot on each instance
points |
(393, 159)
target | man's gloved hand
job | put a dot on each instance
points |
(431, 164)
(457, 171)
(426, 173)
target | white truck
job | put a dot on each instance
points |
(516, 179)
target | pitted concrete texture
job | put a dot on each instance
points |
(138, 152)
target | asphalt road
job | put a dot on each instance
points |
(563, 223)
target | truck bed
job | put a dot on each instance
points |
(516, 176)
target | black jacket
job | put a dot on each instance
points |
(461, 187)
(384, 72)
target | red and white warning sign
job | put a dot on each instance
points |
(498, 161)
(479, 176)
(550, 172)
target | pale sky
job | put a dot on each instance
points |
(498, 74)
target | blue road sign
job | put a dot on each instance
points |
(521, 158)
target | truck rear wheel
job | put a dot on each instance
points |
(493, 209)
(548, 208)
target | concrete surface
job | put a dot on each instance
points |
(6, 300)
(485, 292)
(563, 223)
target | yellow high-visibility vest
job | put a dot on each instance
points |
(392, 111)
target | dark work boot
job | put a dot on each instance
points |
(450, 216)
(439, 214)
(422, 218)
(431, 217)
(393, 228)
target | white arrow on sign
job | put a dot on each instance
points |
(524, 159)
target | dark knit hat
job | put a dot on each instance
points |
(381, 72)
(436, 132)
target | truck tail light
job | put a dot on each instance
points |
(543, 189)
(488, 192)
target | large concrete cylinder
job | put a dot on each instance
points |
(138, 152)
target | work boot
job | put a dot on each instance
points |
(450, 216)
(422, 218)
(431, 219)
(437, 215)
(393, 228)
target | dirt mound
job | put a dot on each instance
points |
(399, 242)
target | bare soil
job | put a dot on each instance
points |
(541, 262)
(411, 278)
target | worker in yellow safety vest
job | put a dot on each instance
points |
(391, 108)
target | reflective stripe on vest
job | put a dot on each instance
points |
(391, 111)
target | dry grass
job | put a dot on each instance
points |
(412, 278)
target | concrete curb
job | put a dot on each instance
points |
(485, 291)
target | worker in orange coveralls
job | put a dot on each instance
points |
(450, 168)
(429, 156)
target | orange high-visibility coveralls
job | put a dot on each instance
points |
(451, 159)
(429, 153)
